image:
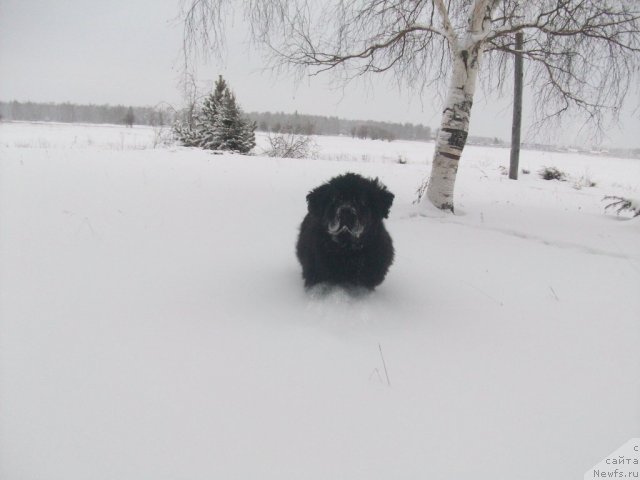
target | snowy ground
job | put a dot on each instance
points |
(153, 323)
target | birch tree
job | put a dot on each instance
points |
(582, 55)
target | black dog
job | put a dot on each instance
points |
(342, 238)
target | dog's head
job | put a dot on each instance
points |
(349, 207)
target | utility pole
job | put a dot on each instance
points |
(517, 110)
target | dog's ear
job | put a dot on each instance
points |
(317, 199)
(382, 199)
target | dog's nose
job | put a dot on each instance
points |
(347, 216)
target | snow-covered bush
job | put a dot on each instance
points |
(552, 173)
(621, 204)
(217, 124)
(291, 145)
(163, 136)
(584, 181)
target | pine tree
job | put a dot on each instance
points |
(249, 136)
(207, 116)
(227, 123)
(218, 124)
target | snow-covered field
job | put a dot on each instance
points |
(153, 323)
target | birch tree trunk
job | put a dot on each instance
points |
(452, 135)
(454, 126)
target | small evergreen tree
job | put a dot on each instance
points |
(218, 123)
(228, 127)
(249, 136)
(207, 117)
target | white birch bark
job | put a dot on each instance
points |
(454, 127)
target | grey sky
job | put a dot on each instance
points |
(128, 52)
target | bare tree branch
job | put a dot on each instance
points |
(583, 56)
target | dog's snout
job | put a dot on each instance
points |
(347, 216)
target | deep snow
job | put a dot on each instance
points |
(153, 322)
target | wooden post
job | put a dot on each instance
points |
(517, 110)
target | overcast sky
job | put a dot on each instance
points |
(128, 52)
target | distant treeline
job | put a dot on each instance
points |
(166, 115)
(73, 113)
(279, 122)
(318, 125)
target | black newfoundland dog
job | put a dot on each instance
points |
(342, 238)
